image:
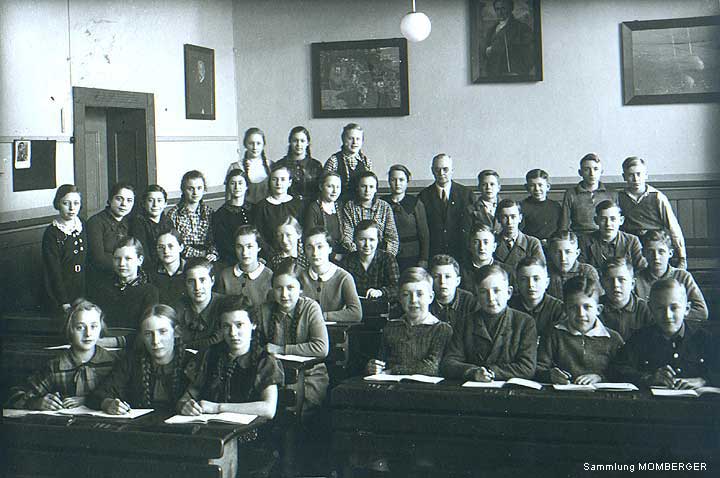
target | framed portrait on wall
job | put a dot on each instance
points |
(360, 78)
(671, 61)
(199, 83)
(22, 154)
(505, 41)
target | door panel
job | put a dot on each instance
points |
(127, 148)
(96, 156)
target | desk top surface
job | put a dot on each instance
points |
(449, 397)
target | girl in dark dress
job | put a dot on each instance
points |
(231, 215)
(151, 221)
(153, 374)
(304, 169)
(237, 375)
(273, 210)
(326, 212)
(410, 220)
(64, 246)
(168, 273)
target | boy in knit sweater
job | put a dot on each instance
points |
(580, 348)
(563, 264)
(623, 311)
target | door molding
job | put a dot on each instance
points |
(98, 98)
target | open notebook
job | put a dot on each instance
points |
(383, 377)
(698, 392)
(520, 382)
(600, 386)
(225, 417)
(76, 411)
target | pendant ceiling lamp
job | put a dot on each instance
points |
(415, 26)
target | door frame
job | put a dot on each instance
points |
(98, 98)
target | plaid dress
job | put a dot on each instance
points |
(63, 375)
(195, 227)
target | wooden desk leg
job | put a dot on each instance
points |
(228, 462)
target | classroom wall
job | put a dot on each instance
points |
(48, 46)
(577, 108)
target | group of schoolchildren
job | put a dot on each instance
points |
(298, 244)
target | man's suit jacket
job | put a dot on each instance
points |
(447, 222)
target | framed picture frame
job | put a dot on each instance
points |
(22, 154)
(505, 41)
(360, 78)
(199, 82)
(671, 61)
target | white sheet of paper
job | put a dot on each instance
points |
(294, 358)
(493, 384)
(227, 417)
(574, 387)
(76, 411)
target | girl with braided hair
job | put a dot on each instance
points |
(153, 374)
(236, 375)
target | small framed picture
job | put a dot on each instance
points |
(199, 83)
(671, 61)
(22, 154)
(360, 78)
(505, 41)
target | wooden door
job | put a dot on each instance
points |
(127, 159)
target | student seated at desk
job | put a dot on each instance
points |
(292, 324)
(451, 303)
(153, 374)
(657, 249)
(672, 352)
(414, 343)
(623, 311)
(288, 243)
(168, 273)
(496, 342)
(375, 271)
(197, 310)
(125, 295)
(249, 277)
(236, 375)
(72, 373)
(563, 251)
(578, 349)
(329, 285)
(532, 281)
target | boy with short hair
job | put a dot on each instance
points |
(415, 343)
(672, 352)
(564, 252)
(647, 209)
(609, 241)
(482, 244)
(657, 249)
(482, 210)
(580, 348)
(578, 207)
(512, 244)
(375, 271)
(248, 277)
(494, 342)
(451, 303)
(532, 281)
(541, 216)
(623, 311)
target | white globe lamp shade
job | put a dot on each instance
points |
(415, 26)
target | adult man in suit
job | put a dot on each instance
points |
(445, 204)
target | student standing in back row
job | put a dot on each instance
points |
(350, 162)
(578, 208)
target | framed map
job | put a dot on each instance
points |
(360, 78)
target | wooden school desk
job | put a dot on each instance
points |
(49, 446)
(448, 428)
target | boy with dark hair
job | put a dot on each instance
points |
(512, 244)
(541, 216)
(563, 265)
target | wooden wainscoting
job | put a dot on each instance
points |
(696, 204)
